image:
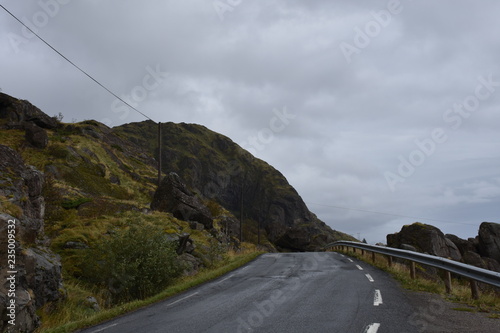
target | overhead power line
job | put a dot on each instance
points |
(74, 65)
(389, 214)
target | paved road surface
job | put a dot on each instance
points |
(282, 292)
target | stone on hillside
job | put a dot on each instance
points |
(425, 238)
(489, 240)
(196, 226)
(36, 136)
(173, 196)
(190, 263)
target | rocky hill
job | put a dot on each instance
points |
(216, 168)
(71, 187)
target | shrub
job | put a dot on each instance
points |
(132, 264)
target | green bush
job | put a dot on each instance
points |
(132, 264)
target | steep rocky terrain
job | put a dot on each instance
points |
(35, 269)
(216, 168)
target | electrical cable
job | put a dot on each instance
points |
(74, 65)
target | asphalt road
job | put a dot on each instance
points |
(282, 292)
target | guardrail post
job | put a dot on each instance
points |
(373, 256)
(413, 271)
(474, 289)
(447, 281)
(389, 261)
(362, 252)
(354, 249)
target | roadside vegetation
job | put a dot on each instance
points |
(117, 255)
(488, 302)
(74, 313)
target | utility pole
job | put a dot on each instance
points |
(241, 215)
(258, 232)
(159, 153)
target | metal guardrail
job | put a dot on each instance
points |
(472, 272)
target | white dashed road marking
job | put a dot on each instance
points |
(230, 276)
(359, 267)
(377, 299)
(350, 260)
(369, 277)
(182, 299)
(373, 328)
(104, 328)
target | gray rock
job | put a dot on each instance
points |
(173, 196)
(196, 226)
(39, 279)
(191, 264)
(19, 111)
(92, 303)
(489, 240)
(36, 136)
(426, 239)
(463, 245)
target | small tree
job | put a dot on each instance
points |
(133, 263)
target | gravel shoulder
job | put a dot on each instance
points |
(433, 313)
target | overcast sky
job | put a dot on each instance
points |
(365, 106)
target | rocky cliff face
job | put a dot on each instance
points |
(482, 251)
(217, 169)
(37, 269)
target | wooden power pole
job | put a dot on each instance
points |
(159, 153)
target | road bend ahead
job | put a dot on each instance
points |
(281, 292)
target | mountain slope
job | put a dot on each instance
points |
(217, 168)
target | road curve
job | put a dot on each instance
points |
(282, 292)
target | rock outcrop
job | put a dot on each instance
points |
(173, 197)
(17, 112)
(489, 240)
(426, 239)
(38, 270)
(481, 251)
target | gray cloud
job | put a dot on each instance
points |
(353, 123)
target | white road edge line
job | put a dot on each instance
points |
(373, 328)
(369, 277)
(182, 299)
(104, 328)
(230, 276)
(359, 267)
(377, 299)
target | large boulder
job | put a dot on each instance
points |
(174, 197)
(489, 240)
(36, 136)
(425, 238)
